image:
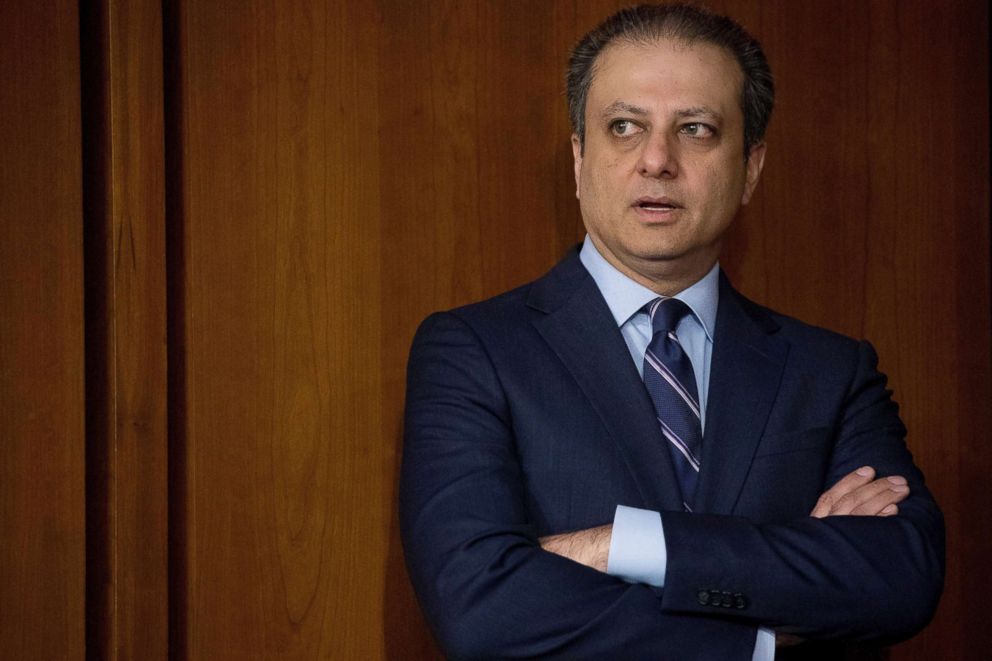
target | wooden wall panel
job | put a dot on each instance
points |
(287, 480)
(126, 453)
(42, 552)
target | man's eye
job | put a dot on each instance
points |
(697, 130)
(623, 127)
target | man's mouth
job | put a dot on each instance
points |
(656, 204)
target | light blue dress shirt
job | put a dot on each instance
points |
(637, 548)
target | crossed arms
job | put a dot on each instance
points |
(472, 505)
(856, 494)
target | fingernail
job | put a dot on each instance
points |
(864, 471)
(897, 479)
(900, 489)
(889, 509)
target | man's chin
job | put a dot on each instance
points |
(678, 264)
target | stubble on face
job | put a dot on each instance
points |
(661, 174)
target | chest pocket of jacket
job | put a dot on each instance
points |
(816, 439)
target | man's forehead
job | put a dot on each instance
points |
(710, 54)
(661, 62)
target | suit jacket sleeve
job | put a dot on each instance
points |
(849, 577)
(485, 585)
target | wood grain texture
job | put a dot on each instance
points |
(124, 174)
(42, 548)
(287, 504)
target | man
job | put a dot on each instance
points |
(628, 459)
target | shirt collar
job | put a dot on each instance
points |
(626, 297)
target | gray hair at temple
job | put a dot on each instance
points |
(645, 24)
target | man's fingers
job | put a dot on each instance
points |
(858, 494)
(872, 497)
(893, 492)
(848, 483)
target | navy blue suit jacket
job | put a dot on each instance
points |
(525, 417)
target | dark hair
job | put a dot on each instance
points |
(648, 23)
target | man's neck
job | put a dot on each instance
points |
(664, 277)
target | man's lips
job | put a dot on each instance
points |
(657, 204)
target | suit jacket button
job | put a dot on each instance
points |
(703, 597)
(725, 600)
(740, 602)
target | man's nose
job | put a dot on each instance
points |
(658, 157)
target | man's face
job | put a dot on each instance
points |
(663, 172)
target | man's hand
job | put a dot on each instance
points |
(590, 547)
(859, 494)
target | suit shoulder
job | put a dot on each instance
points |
(493, 317)
(509, 302)
(797, 328)
(820, 334)
(817, 346)
(522, 305)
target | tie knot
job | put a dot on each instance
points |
(666, 313)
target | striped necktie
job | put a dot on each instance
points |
(671, 384)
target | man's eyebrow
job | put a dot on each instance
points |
(621, 107)
(699, 111)
(694, 111)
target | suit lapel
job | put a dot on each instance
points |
(581, 330)
(747, 364)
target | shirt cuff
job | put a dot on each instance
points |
(637, 548)
(764, 645)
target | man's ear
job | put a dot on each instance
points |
(755, 163)
(577, 160)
